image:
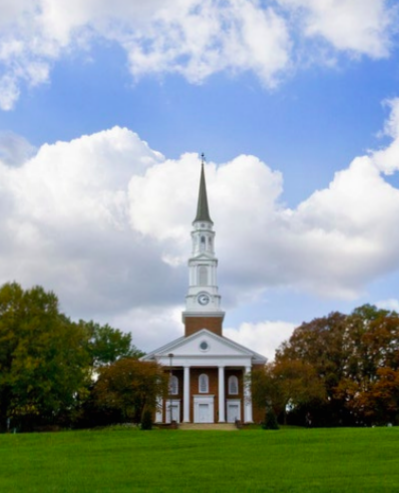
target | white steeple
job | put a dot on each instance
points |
(203, 299)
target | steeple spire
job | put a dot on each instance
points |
(202, 207)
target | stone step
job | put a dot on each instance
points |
(208, 426)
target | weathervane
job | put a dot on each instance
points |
(203, 158)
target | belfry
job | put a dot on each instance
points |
(208, 372)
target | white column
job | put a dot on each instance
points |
(247, 397)
(222, 400)
(159, 414)
(186, 395)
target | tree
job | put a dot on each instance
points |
(106, 344)
(131, 386)
(286, 383)
(43, 360)
(356, 357)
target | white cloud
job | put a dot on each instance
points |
(152, 327)
(104, 221)
(262, 337)
(191, 37)
(354, 25)
(67, 225)
(14, 149)
(389, 304)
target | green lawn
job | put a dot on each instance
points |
(288, 460)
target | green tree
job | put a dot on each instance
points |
(43, 360)
(106, 344)
(131, 386)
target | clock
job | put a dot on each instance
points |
(203, 299)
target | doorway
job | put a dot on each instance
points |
(233, 410)
(203, 409)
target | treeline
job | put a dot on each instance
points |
(56, 372)
(339, 370)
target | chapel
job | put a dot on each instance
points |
(207, 370)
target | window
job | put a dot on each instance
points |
(204, 346)
(173, 385)
(202, 244)
(203, 275)
(233, 385)
(203, 384)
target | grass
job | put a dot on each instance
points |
(129, 460)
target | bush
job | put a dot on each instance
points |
(146, 422)
(270, 421)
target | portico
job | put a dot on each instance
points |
(208, 388)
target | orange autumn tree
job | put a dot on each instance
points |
(131, 386)
(286, 383)
(356, 358)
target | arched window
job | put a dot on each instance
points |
(202, 244)
(203, 384)
(173, 385)
(233, 385)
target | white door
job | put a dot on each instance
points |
(233, 412)
(203, 409)
(173, 411)
(203, 412)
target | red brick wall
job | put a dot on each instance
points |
(213, 374)
(179, 374)
(194, 324)
(213, 389)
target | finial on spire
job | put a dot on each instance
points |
(202, 207)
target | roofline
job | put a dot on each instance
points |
(236, 345)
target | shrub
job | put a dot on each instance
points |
(270, 421)
(146, 421)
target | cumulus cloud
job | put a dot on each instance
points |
(104, 221)
(350, 25)
(262, 337)
(190, 37)
(66, 225)
(14, 149)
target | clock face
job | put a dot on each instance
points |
(203, 299)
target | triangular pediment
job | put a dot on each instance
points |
(204, 343)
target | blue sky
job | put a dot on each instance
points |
(103, 115)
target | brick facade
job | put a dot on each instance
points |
(213, 375)
(194, 324)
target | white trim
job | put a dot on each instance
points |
(159, 411)
(222, 402)
(186, 395)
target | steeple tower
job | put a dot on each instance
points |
(203, 300)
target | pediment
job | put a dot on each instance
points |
(206, 344)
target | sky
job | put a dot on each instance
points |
(105, 108)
